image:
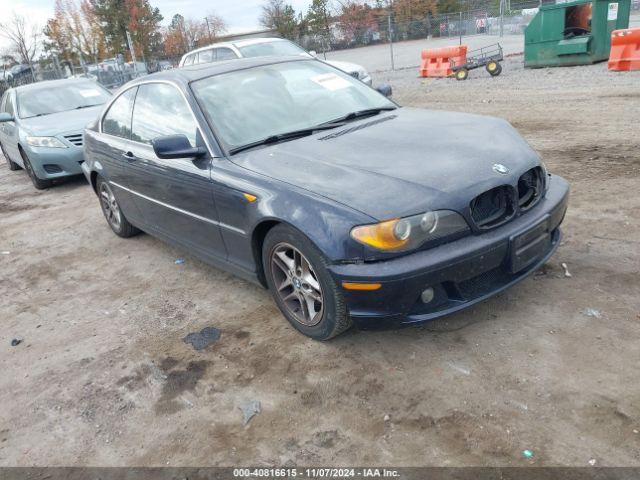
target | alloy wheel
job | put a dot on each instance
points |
(297, 284)
(110, 206)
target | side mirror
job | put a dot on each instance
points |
(313, 53)
(176, 146)
(6, 117)
(385, 90)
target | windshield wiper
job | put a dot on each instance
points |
(87, 106)
(359, 114)
(281, 137)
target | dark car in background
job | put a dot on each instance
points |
(41, 126)
(20, 74)
(295, 175)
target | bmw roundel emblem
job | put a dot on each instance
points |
(499, 168)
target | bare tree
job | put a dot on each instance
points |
(24, 40)
(216, 25)
(280, 16)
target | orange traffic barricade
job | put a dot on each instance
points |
(437, 62)
(625, 50)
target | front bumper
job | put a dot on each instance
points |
(461, 273)
(86, 171)
(50, 163)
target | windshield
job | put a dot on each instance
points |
(276, 48)
(49, 99)
(249, 105)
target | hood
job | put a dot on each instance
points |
(401, 162)
(72, 121)
(344, 66)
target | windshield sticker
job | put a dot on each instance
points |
(331, 81)
(89, 93)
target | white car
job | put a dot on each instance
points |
(262, 47)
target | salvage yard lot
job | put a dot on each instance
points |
(103, 376)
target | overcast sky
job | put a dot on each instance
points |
(240, 15)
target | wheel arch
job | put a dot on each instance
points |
(22, 152)
(325, 224)
(258, 235)
(93, 178)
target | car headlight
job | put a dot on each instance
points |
(545, 174)
(402, 234)
(51, 142)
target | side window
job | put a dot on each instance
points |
(160, 110)
(206, 56)
(8, 106)
(225, 54)
(189, 60)
(117, 120)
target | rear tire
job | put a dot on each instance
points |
(300, 283)
(13, 166)
(39, 183)
(112, 212)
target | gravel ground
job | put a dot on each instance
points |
(103, 376)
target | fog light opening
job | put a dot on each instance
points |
(427, 295)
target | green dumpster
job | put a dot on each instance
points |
(573, 33)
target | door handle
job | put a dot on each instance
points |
(130, 156)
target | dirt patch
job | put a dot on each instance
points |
(596, 162)
(12, 207)
(179, 381)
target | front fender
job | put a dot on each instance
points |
(326, 223)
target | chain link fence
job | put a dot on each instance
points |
(492, 21)
(487, 21)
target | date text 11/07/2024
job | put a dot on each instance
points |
(315, 473)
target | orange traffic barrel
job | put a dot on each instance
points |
(437, 62)
(625, 50)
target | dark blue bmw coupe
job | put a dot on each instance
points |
(350, 209)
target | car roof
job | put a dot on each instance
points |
(204, 70)
(51, 84)
(255, 41)
(238, 43)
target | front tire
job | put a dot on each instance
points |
(300, 283)
(112, 212)
(462, 74)
(39, 183)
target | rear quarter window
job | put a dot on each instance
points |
(225, 54)
(8, 105)
(117, 120)
(189, 59)
(206, 56)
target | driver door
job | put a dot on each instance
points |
(9, 130)
(175, 196)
